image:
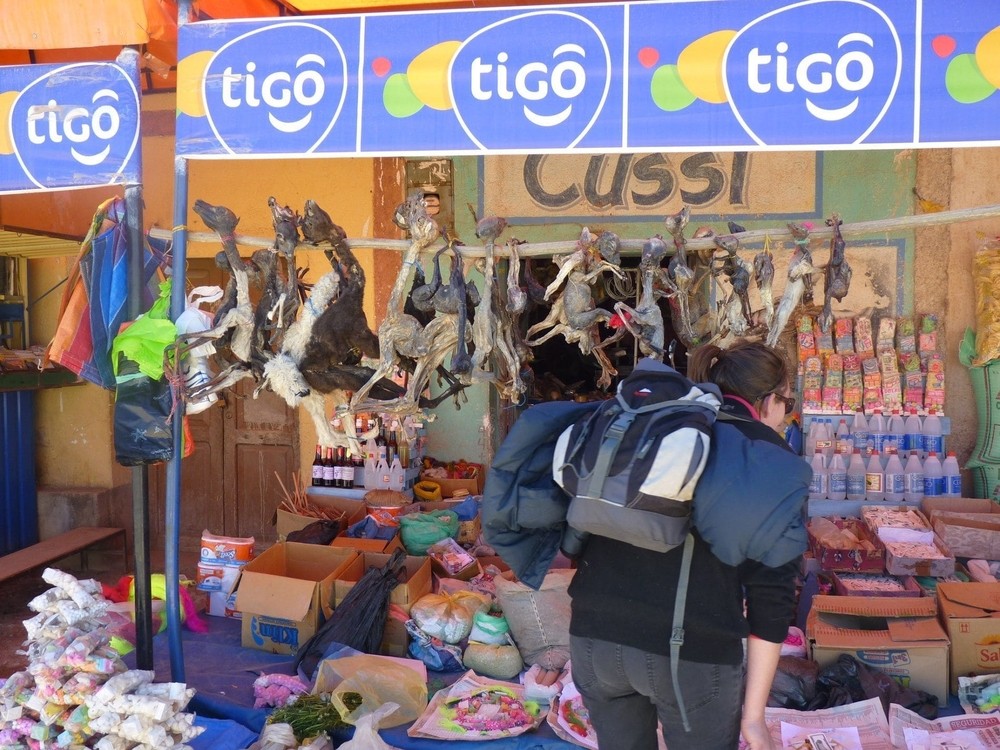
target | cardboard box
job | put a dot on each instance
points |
(286, 593)
(368, 545)
(900, 636)
(287, 522)
(415, 584)
(857, 560)
(449, 549)
(865, 584)
(939, 567)
(969, 526)
(971, 615)
(450, 486)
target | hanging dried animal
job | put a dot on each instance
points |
(763, 275)
(401, 334)
(837, 276)
(680, 278)
(734, 311)
(800, 268)
(484, 330)
(645, 322)
(574, 314)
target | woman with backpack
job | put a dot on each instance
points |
(749, 535)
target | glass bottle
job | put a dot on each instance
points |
(317, 467)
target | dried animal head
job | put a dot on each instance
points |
(217, 218)
(281, 213)
(608, 246)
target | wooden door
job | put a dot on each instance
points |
(228, 485)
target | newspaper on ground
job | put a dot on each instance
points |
(867, 717)
(945, 732)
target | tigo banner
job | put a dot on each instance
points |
(642, 76)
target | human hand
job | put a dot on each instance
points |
(756, 734)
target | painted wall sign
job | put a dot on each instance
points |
(69, 125)
(602, 78)
(637, 187)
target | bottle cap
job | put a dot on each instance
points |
(931, 453)
(951, 454)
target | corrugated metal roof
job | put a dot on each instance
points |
(21, 245)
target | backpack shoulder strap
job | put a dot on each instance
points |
(677, 630)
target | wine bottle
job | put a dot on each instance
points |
(328, 474)
(317, 467)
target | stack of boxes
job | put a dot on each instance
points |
(219, 565)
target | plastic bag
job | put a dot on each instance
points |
(366, 731)
(143, 406)
(435, 653)
(847, 681)
(421, 530)
(794, 683)
(195, 368)
(448, 616)
(144, 341)
(377, 680)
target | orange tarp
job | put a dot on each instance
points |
(57, 24)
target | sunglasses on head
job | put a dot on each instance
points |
(787, 401)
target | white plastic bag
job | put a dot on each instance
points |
(195, 367)
(366, 735)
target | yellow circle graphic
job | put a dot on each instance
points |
(700, 66)
(190, 79)
(428, 74)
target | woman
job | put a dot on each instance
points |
(623, 596)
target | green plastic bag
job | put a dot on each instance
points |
(145, 340)
(420, 530)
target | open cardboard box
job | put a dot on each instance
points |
(450, 486)
(969, 526)
(900, 636)
(287, 522)
(416, 582)
(286, 593)
(368, 545)
(971, 615)
(857, 560)
(903, 565)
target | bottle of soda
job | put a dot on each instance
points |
(317, 467)
(328, 469)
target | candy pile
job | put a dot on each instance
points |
(76, 691)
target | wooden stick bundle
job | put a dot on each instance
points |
(297, 502)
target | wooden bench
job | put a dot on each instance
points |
(63, 545)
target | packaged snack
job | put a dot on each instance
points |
(863, 342)
(806, 338)
(906, 342)
(886, 335)
(824, 341)
(843, 335)
(934, 383)
(927, 341)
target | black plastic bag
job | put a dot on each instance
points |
(847, 681)
(794, 684)
(321, 532)
(143, 434)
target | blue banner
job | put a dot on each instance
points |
(71, 125)
(642, 76)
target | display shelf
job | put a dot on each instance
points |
(355, 494)
(852, 508)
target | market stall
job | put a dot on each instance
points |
(246, 91)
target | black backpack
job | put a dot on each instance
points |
(632, 467)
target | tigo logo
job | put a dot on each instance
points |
(517, 74)
(833, 78)
(87, 113)
(265, 84)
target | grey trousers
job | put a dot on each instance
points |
(626, 690)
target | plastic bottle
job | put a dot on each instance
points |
(397, 477)
(933, 440)
(876, 431)
(381, 474)
(793, 436)
(824, 440)
(370, 470)
(874, 478)
(856, 476)
(896, 433)
(843, 440)
(837, 478)
(952, 476)
(895, 480)
(817, 486)
(913, 438)
(859, 431)
(933, 476)
(913, 479)
(810, 444)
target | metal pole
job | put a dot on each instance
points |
(140, 474)
(173, 489)
(173, 495)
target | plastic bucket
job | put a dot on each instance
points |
(385, 515)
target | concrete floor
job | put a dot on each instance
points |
(15, 595)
